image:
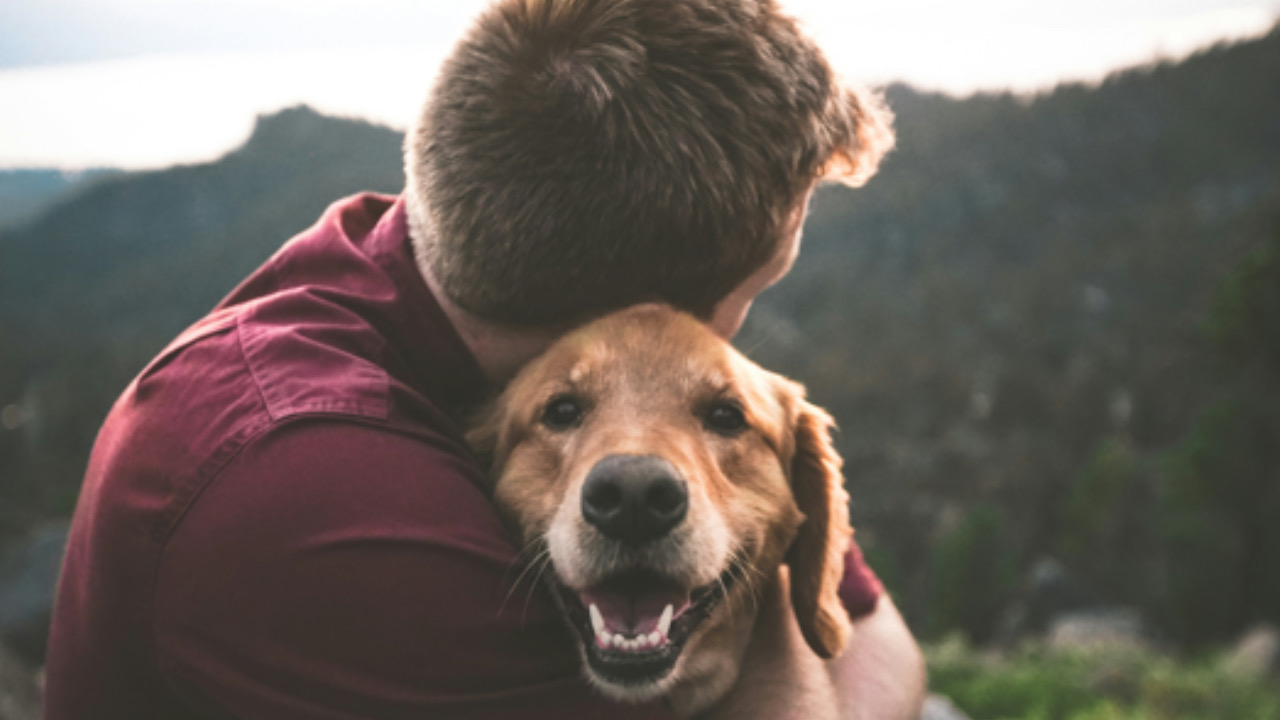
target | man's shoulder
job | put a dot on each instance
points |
(333, 473)
(307, 356)
(289, 363)
(233, 376)
(317, 330)
(324, 346)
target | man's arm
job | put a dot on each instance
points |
(336, 571)
(880, 675)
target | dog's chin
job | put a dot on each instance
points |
(633, 628)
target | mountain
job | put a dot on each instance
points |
(1017, 294)
(1009, 323)
(95, 286)
(154, 250)
(25, 193)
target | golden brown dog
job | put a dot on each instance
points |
(666, 478)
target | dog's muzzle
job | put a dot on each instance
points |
(635, 619)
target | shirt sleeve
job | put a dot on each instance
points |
(860, 589)
(335, 571)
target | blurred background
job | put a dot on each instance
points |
(1049, 328)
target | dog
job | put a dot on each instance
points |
(666, 478)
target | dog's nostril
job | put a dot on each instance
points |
(634, 498)
(603, 497)
(666, 497)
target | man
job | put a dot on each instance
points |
(280, 519)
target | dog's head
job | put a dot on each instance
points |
(667, 477)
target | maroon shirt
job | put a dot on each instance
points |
(280, 518)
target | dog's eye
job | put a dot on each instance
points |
(562, 413)
(725, 418)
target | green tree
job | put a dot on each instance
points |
(972, 576)
(1220, 499)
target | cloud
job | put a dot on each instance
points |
(187, 77)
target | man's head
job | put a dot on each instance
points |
(578, 156)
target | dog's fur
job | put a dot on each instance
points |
(646, 380)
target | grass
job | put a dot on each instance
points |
(1036, 683)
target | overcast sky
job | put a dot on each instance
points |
(146, 83)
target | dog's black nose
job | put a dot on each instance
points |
(634, 498)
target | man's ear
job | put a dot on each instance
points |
(816, 556)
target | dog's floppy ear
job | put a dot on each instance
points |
(485, 431)
(483, 440)
(817, 554)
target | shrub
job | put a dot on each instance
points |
(1103, 511)
(1037, 683)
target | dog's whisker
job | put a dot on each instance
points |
(534, 547)
(545, 562)
(753, 576)
(746, 563)
(766, 336)
(742, 577)
(724, 592)
(755, 585)
(512, 589)
(743, 569)
(543, 556)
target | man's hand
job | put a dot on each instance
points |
(880, 675)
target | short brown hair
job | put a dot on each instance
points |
(577, 156)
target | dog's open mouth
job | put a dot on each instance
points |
(635, 624)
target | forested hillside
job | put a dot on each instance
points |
(24, 194)
(1013, 307)
(1047, 328)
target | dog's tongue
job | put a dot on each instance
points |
(634, 613)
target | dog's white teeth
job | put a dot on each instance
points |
(597, 620)
(616, 641)
(664, 622)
